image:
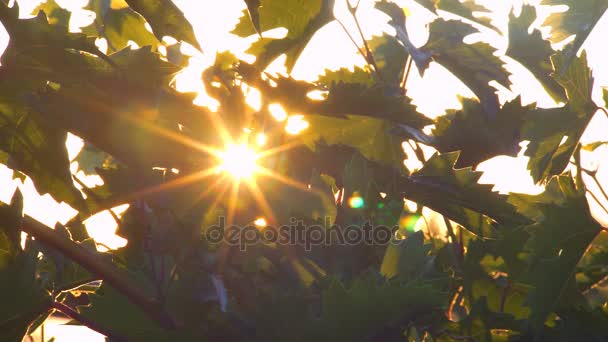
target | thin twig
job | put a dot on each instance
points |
(73, 314)
(603, 110)
(598, 201)
(593, 176)
(353, 41)
(406, 75)
(369, 56)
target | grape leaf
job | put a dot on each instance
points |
(474, 64)
(563, 230)
(369, 307)
(55, 14)
(580, 19)
(22, 297)
(34, 44)
(405, 258)
(253, 6)
(546, 129)
(341, 100)
(38, 150)
(390, 58)
(166, 19)
(119, 26)
(456, 194)
(370, 136)
(301, 19)
(470, 131)
(358, 75)
(464, 9)
(532, 51)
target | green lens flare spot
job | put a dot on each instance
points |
(410, 223)
(356, 201)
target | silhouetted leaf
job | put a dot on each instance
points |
(166, 19)
(532, 51)
(302, 20)
(579, 20)
(474, 64)
(456, 194)
(563, 230)
(21, 294)
(478, 138)
(555, 132)
(55, 14)
(463, 8)
(38, 150)
(341, 100)
(119, 26)
(405, 258)
(370, 136)
(253, 7)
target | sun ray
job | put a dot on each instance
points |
(260, 199)
(278, 149)
(286, 180)
(172, 184)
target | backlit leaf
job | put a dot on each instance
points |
(554, 133)
(166, 19)
(532, 51)
(301, 19)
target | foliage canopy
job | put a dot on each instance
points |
(506, 268)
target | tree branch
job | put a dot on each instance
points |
(73, 314)
(101, 268)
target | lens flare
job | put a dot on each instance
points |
(239, 161)
(356, 201)
(260, 222)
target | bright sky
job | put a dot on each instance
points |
(212, 20)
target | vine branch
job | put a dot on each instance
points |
(101, 268)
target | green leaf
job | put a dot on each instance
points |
(456, 194)
(554, 133)
(301, 19)
(21, 294)
(563, 230)
(119, 26)
(405, 258)
(461, 8)
(370, 136)
(316, 203)
(10, 218)
(55, 14)
(357, 75)
(470, 131)
(532, 51)
(341, 100)
(370, 306)
(107, 303)
(580, 19)
(166, 19)
(253, 6)
(421, 58)
(34, 44)
(390, 58)
(594, 146)
(38, 150)
(474, 64)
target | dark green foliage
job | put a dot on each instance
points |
(504, 268)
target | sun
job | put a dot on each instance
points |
(239, 160)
